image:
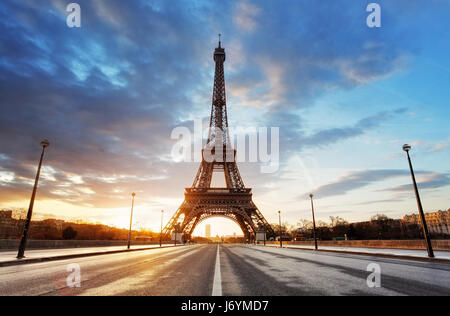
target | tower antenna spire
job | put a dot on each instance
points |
(220, 35)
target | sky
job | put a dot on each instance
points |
(108, 95)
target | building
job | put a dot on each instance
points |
(5, 216)
(9, 226)
(55, 223)
(437, 222)
(208, 231)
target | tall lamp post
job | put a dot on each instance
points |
(314, 222)
(23, 242)
(176, 234)
(265, 231)
(131, 220)
(407, 148)
(279, 219)
(160, 234)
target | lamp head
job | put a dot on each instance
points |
(45, 143)
(406, 147)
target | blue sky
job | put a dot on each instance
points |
(108, 94)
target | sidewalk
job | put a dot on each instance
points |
(440, 255)
(8, 258)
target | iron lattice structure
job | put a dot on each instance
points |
(201, 200)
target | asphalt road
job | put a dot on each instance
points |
(237, 270)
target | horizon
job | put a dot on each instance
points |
(200, 230)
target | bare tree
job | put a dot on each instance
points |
(19, 214)
(337, 221)
(379, 217)
(305, 223)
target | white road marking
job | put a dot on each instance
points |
(217, 284)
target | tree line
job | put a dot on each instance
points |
(52, 229)
(380, 227)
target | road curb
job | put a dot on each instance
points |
(381, 255)
(73, 256)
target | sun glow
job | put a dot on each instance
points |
(220, 226)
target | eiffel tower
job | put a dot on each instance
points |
(203, 201)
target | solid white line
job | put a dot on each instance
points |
(217, 285)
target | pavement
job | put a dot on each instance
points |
(9, 257)
(225, 270)
(443, 255)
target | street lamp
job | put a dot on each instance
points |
(131, 220)
(160, 234)
(281, 239)
(176, 233)
(265, 231)
(407, 148)
(23, 242)
(314, 222)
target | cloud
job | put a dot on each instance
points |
(439, 147)
(431, 147)
(356, 180)
(379, 201)
(320, 48)
(295, 138)
(430, 181)
(359, 179)
(333, 135)
(107, 95)
(245, 16)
